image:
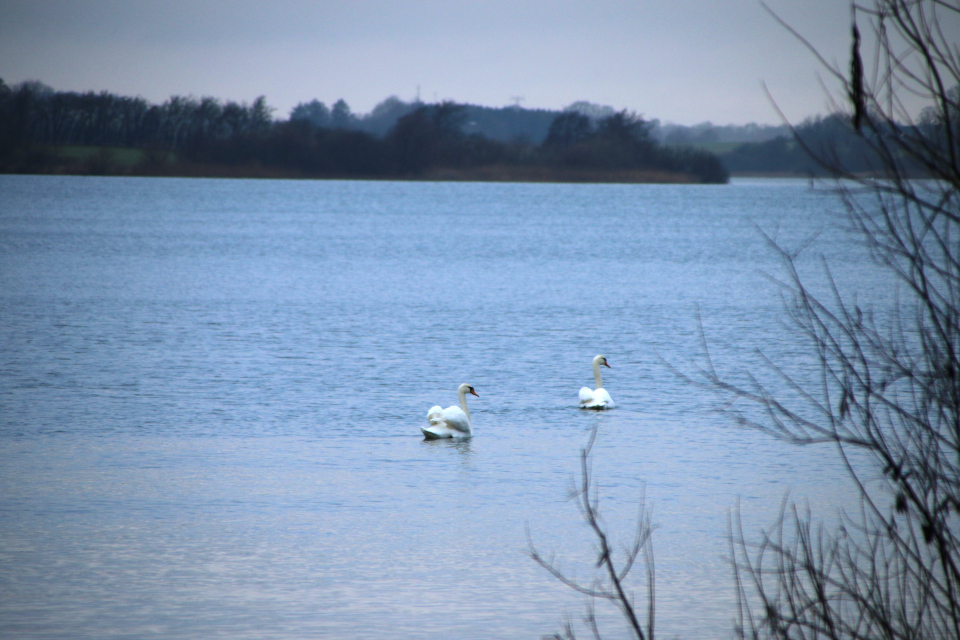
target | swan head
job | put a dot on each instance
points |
(601, 360)
(465, 388)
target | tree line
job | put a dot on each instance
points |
(206, 136)
(798, 153)
(751, 149)
(742, 149)
(32, 113)
(423, 141)
(835, 138)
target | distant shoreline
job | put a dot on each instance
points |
(118, 161)
(477, 174)
(132, 162)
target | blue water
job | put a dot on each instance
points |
(211, 394)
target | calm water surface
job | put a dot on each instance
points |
(211, 394)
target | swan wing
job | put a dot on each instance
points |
(601, 396)
(586, 396)
(451, 422)
(456, 419)
(596, 399)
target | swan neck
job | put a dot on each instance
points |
(596, 374)
(463, 405)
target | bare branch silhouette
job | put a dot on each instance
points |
(889, 386)
(613, 569)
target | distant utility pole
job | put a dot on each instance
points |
(517, 100)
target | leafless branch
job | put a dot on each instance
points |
(889, 383)
(611, 582)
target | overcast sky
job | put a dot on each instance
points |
(682, 61)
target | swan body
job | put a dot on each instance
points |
(598, 398)
(452, 422)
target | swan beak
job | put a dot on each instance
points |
(474, 393)
(607, 365)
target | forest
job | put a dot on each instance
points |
(48, 131)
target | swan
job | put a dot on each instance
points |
(597, 398)
(452, 422)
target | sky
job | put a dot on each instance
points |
(679, 61)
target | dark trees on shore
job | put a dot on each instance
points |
(819, 137)
(318, 141)
(36, 114)
(621, 141)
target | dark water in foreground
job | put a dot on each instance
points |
(211, 394)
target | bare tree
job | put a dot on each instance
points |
(889, 379)
(610, 583)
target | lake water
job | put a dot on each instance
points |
(212, 394)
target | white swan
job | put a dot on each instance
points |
(597, 398)
(452, 422)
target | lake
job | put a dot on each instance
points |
(212, 394)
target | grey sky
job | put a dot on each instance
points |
(682, 61)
